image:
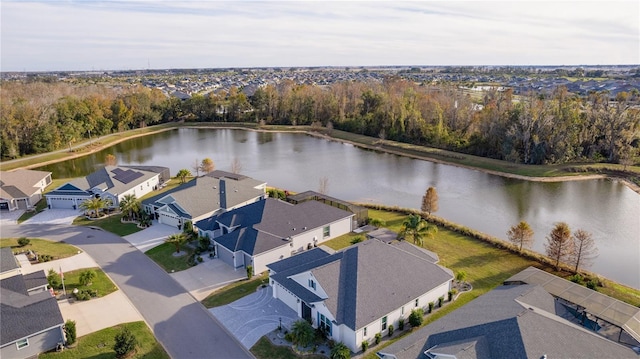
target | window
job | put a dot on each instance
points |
(325, 324)
(312, 284)
(23, 343)
(417, 302)
(364, 332)
(384, 323)
(326, 232)
(402, 310)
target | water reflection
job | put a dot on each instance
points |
(491, 204)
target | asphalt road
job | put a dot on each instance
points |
(183, 326)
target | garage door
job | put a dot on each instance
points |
(4, 205)
(63, 203)
(225, 254)
(168, 220)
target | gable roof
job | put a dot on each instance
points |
(20, 183)
(111, 179)
(207, 194)
(22, 314)
(361, 281)
(8, 261)
(269, 223)
(516, 321)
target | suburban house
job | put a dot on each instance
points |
(22, 189)
(31, 319)
(360, 291)
(266, 231)
(511, 321)
(202, 197)
(109, 182)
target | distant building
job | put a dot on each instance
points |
(22, 189)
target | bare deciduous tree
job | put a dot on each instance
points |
(521, 235)
(559, 245)
(236, 166)
(430, 201)
(584, 249)
(323, 186)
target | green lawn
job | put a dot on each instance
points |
(343, 241)
(163, 255)
(110, 224)
(99, 345)
(102, 284)
(234, 291)
(264, 349)
(41, 246)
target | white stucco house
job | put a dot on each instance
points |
(202, 197)
(361, 290)
(270, 230)
(109, 182)
(22, 189)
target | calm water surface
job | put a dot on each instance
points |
(488, 203)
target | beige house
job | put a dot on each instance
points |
(22, 189)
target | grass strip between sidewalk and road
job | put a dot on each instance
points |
(99, 345)
(235, 291)
(264, 349)
(57, 250)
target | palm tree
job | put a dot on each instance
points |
(94, 205)
(340, 351)
(177, 240)
(183, 174)
(131, 205)
(417, 228)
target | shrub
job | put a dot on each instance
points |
(356, 239)
(87, 276)
(416, 317)
(54, 279)
(365, 345)
(440, 301)
(23, 241)
(592, 284)
(70, 331)
(288, 337)
(125, 343)
(339, 351)
(86, 294)
(378, 338)
(249, 272)
(577, 278)
(452, 293)
(391, 329)
(401, 324)
(461, 276)
(431, 305)
(302, 333)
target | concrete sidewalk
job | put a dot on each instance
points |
(79, 261)
(99, 313)
(151, 237)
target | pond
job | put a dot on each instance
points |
(488, 203)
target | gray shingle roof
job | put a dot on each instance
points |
(267, 223)
(35, 280)
(20, 183)
(8, 261)
(362, 283)
(202, 195)
(517, 321)
(104, 179)
(22, 314)
(298, 259)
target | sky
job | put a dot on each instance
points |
(67, 35)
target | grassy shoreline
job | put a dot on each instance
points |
(570, 171)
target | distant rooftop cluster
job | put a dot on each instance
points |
(183, 83)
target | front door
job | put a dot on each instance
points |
(306, 312)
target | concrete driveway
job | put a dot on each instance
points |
(10, 217)
(183, 326)
(54, 216)
(207, 276)
(255, 315)
(151, 237)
